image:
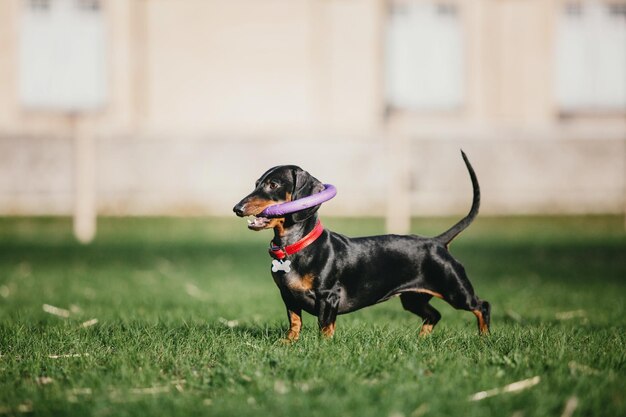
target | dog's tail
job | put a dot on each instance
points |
(446, 237)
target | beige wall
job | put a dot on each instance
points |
(257, 68)
(240, 66)
(521, 52)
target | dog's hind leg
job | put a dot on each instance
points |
(417, 303)
(483, 316)
(456, 289)
(465, 299)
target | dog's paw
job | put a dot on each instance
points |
(426, 330)
(290, 337)
(286, 341)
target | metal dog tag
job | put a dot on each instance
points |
(281, 266)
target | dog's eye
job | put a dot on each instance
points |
(273, 185)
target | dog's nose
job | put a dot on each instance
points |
(238, 209)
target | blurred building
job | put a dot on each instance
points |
(182, 104)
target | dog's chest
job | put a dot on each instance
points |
(300, 285)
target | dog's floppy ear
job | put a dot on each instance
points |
(305, 185)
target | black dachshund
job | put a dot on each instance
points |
(325, 273)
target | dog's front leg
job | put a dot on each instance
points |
(328, 304)
(295, 324)
(294, 314)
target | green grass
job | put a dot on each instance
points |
(189, 321)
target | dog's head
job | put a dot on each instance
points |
(278, 185)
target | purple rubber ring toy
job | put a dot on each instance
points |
(303, 203)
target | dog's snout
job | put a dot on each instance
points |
(238, 209)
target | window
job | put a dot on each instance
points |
(62, 55)
(424, 56)
(591, 57)
(88, 4)
(39, 4)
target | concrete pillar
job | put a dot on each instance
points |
(84, 179)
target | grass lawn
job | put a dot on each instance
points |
(181, 317)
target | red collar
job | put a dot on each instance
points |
(279, 253)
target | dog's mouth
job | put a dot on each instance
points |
(253, 211)
(258, 223)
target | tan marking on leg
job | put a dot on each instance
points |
(328, 331)
(426, 329)
(483, 329)
(429, 292)
(295, 325)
